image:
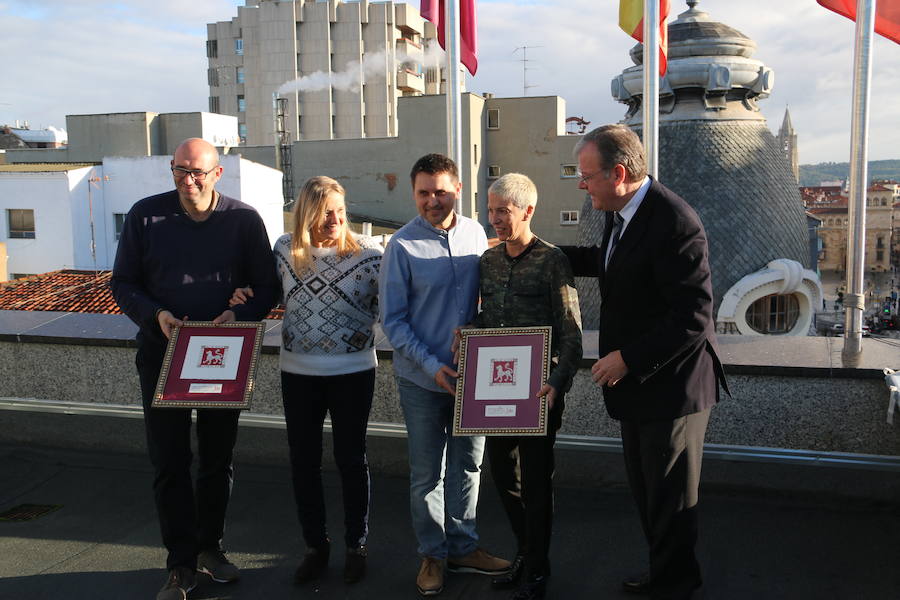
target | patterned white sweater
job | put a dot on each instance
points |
(329, 310)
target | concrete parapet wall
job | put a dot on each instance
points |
(830, 414)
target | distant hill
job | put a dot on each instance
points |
(831, 171)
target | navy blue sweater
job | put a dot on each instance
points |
(167, 261)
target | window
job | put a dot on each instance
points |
(493, 171)
(568, 171)
(242, 104)
(774, 314)
(240, 75)
(475, 154)
(214, 104)
(212, 77)
(21, 223)
(242, 131)
(879, 256)
(493, 118)
(239, 47)
(118, 224)
(879, 243)
(568, 217)
(212, 48)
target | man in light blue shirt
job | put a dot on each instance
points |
(429, 287)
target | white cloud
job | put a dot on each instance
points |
(90, 56)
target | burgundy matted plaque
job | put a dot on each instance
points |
(209, 365)
(501, 371)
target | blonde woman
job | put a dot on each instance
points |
(330, 283)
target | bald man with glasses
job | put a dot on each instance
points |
(181, 255)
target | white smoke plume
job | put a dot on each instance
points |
(356, 72)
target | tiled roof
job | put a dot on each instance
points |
(68, 290)
(43, 167)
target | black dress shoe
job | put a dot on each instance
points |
(533, 589)
(355, 564)
(314, 563)
(510, 578)
(639, 584)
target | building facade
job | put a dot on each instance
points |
(833, 231)
(64, 216)
(338, 66)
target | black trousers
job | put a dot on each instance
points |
(662, 459)
(522, 468)
(348, 399)
(190, 520)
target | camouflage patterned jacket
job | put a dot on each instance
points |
(535, 288)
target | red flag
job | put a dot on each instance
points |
(887, 15)
(433, 10)
(631, 21)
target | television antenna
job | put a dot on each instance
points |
(525, 68)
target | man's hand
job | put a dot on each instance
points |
(457, 340)
(549, 391)
(441, 378)
(226, 317)
(609, 369)
(240, 296)
(167, 321)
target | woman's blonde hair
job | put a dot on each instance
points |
(308, 213)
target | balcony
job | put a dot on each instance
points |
(410, 81)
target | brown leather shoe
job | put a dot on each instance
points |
(478, 561)
(430, 580)
(313, 565)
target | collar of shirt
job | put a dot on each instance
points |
(422, 222)
(627, 212)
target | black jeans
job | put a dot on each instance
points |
(348, 399)
(522, 468)
(190, 521)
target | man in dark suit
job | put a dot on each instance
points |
(658, 366)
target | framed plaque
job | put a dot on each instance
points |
(210, 366)
(501, 372)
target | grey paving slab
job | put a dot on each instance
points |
(104, 542)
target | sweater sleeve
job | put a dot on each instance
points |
(259, 271)
(128, 276)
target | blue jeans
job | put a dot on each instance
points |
(444, 473)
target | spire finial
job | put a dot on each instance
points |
(692, 3)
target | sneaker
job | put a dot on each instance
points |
(430, 580)
(181, 581)
(314, 563)
(533, 589)
(478, 561)
(355, 564)
(219, 568)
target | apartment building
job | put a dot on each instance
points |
(349, 63)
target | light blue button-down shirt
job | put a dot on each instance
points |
(428, 286)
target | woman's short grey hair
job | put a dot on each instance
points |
(517, 188)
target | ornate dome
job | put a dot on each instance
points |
(717, 152)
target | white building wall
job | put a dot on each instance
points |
(49, 195)
(63, 210)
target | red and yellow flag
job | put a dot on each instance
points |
(631, 20)
(887, 15)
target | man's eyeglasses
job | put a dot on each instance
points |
(584, 178)
(196, 174)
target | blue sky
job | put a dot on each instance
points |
(89, 56)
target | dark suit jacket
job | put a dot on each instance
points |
(657, 309)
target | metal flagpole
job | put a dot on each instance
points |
(453, 87)
(651, 85)
(854, 301)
